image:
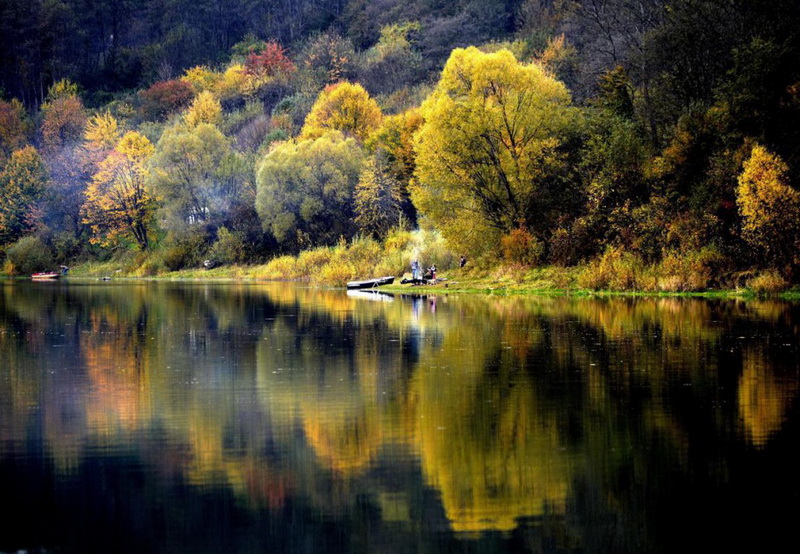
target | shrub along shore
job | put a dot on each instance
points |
(614, 273)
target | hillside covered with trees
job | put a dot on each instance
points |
(650, 144)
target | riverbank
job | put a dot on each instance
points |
(545, 281)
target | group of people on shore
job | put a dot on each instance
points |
(417, 274)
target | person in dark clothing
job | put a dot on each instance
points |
(463, 261)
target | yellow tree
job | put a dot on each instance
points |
(102, 132)
(117, 204)
(378, 199)
(344, 107)
(770, 208)
(205, 109)
(491, 152)
(393, 142)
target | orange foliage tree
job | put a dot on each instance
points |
(164, 98)
(63, 121)
(271, 61)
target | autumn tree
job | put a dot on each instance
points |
(22, 185)
(118, 205)
(63, 120)
(394, 61)
(378, 199)
(393, 142)
(102, 132)
(270, 61)
(13, 128)
(770, 208)
(325, 59)
(344, 107)
(491, 153)
(204, 109)
(189, 173)
(164, 98)
(305, 189)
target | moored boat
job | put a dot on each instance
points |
(370, 283)
(46, 275)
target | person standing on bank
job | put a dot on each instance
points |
(415, 272)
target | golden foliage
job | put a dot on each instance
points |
(62, 89)
(344, 107)
(770, 207)
(521, 247)
(201, 78)
(117, 205)
(491, 138)
(395, 139)
(102, 132)
(227, 84)
(204, 109)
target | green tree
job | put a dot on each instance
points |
(13, 127)
(22, 185)
(189, 173)
(305, 189)
(491, 152)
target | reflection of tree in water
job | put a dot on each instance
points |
(764, 398)
(515, 410)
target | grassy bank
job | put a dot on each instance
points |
(616, 272)
(550, 281)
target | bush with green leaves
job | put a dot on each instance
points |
(229, 248)
(29, 254)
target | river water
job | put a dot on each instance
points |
(221, 417)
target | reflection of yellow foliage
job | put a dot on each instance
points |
(118, 382)
(458, 393)
(488, 481)
(346, 442)
(763, 399)
(394, 507)
(338, 410)
(491, 453)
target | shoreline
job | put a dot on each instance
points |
(453, 285)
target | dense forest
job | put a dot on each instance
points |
(655, 144)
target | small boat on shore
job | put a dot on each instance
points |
(371, 283)
(46, 276)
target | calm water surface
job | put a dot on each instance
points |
(158, 417)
